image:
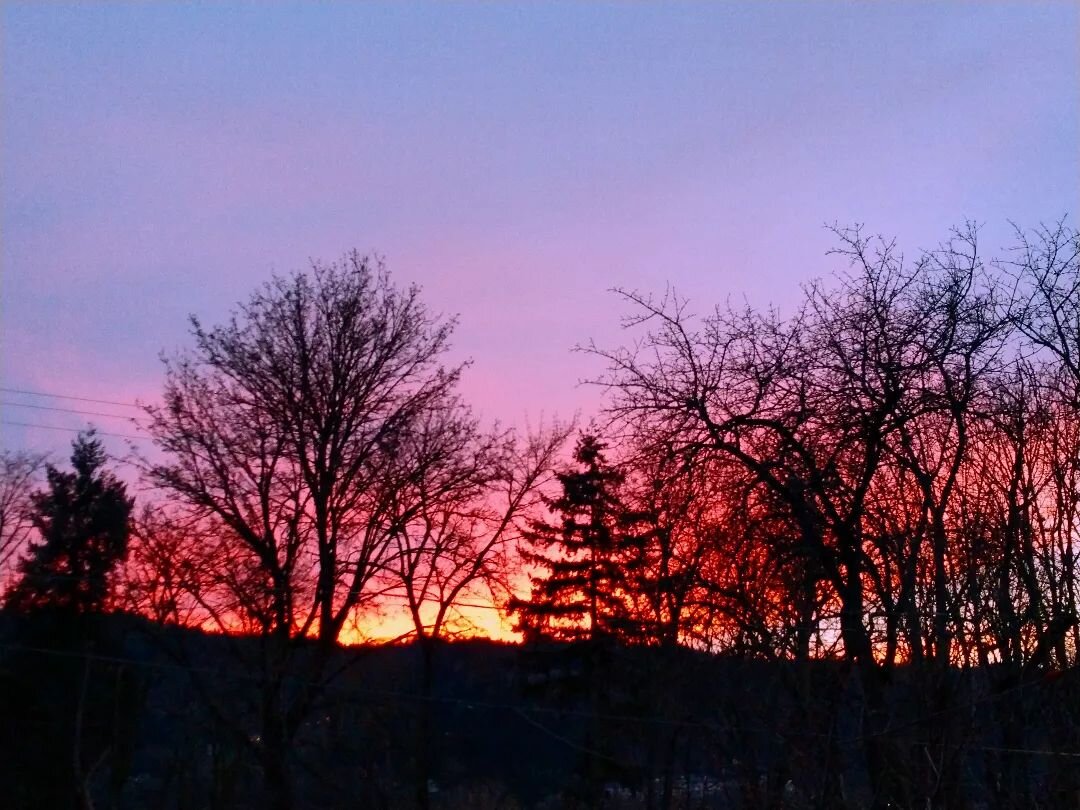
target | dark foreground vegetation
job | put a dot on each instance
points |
(511, 727)
(824, 559)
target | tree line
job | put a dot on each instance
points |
(888, 477)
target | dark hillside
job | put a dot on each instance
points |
(165, 710)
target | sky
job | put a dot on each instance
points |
(515, 160)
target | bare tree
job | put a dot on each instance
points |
(283, 431)
(460, 515)
(457, 509)
(19, 473)
(183, 572)
(875, 380)
(1046, 269)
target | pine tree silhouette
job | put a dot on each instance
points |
(82, 519)
(583, 558)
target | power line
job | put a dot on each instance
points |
(72, 430)
(28, 392)
(69, 410)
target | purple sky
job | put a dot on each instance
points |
(517, 161)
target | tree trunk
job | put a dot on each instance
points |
(425, 724)
(275, 748)
(275, 772)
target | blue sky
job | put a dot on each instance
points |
(517, 161)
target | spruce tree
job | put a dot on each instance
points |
(582, 596)
(82, 519)
(61, 683)
(582, 557)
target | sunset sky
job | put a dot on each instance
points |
(517, 161)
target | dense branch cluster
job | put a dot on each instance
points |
(894, 466)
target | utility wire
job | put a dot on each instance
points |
(28, 392)
(132, 419)
(72, 430)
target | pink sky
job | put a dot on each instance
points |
(515, 160)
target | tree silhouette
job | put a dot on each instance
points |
(286, 433)
(902, 450)
(18, 477)
(580, 592)
(862, 518)
(80, 708)
(83, 521)
(456, 513)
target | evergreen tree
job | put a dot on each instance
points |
(582, 558)
(82, 519)
(582, 593)
(58, 683)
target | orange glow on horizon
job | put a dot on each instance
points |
(385, 625)
(394, 624)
